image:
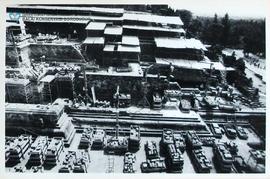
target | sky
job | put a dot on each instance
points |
(235, 8)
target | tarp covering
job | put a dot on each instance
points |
(151, 28)
(124, 48)
(96, 26)
(192, 64)
(114, 30)
(13, 81)
(179, 43)
(174, 20)
(136, 71)
(33, 108)
(12, 24)
(48, 79)
(78, 19)
(130, 40)
(109, 48)
(90, 9)
(94, 40)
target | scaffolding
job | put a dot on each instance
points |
(46, 92)
(65, 86)
(46, 88)
(19, 90)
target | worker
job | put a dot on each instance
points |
(80, 98)
(171, 68)
(41, 122)
(42, 58)
(233, 54)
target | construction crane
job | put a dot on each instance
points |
(93, 95)
(116, 144)
(208, 78)
(88, 98)
(117, 112)
(145, 101)
(145, 82)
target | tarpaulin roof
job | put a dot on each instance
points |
(109, 48)
(114, 30)
(13, 81)
(33, 108)
(130, 40)
(90, 9)
(48, 78)
(174, 20)
(94, 40)
(12, 24)
(124, 48)
(151, 28)
(193, 64)
(53, 18)
(96, 26)
(136, 71)
(179, 43)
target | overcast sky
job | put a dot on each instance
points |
(235, 8)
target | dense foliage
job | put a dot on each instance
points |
(234, 33)
(247, 34)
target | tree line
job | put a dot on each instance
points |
(247, 34)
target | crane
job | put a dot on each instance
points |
(117, 112)
(88, 98)
(145, 82)
(208, 78)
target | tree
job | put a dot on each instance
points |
(167, 12)
(195, 28)
(186, 17)
(254, 37)
(215, 31)
(234, 33)
(170, 12)
(212, 30)
(226, 30)
(215, 19)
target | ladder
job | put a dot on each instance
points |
(110, 167)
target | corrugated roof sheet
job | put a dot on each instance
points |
(54, 20)
(48, 78)
(14, 81)
(130, 40)
(95, 26)
(124, 48)
(107, 10)
(33, 108)
(91, 9)
(179, 43)
(12, 24)
(192, 64)
(151, 28)
(105, 18)
(174, 20)
(94, 40)
(109, 48)
(114, 30)
(83, 19)
(135, 72)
